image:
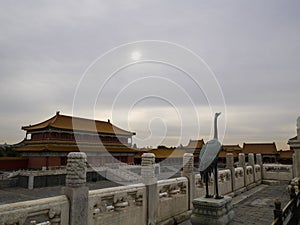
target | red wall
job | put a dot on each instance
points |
(36, 162)
(130, 159)
(11, 163)
(54, 161)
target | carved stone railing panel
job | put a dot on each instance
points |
(172, 187)
(249, 179)
(118, 205)
(277, 172)
(224, 176)
(277, 168)
(239, 178)
(249, 170)
(225, 184)
(55, 210)
(257, 172)
(257, 168)
(173, 198)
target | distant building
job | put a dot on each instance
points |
(165, 156)
(267, 150)
(195, 146)
(234, 149)
(47, 143)
(285, 156)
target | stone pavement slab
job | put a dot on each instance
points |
(258, 208)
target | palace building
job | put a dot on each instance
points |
(267, 150)
(234, 149)
(48, 143)
(194, 147)
(166, 156)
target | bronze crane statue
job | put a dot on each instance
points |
(209, 159)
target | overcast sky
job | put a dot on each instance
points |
(90, 59)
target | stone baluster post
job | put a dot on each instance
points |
(230, 166)
(242, 163)
(149, 179)
(30, 181)
(278, 211)
(298, 128)
(295, 145)
(297, 164)
(259, 161)
(251, 159)
(76, 189)
(252, 164)
(188, 172)
(294, 165)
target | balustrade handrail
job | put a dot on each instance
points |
(288, 207)
(289, 210)
(275, 221)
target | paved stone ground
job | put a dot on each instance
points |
(256, 206)
(11, 195)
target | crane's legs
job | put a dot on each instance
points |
(217, 196)
(206, 178)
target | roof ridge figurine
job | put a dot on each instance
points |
(208, 159)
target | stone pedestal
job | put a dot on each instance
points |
(210, 211)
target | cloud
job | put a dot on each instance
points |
(252, 46)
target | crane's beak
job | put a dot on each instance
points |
(218, 114)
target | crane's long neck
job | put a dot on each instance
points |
(216, 127)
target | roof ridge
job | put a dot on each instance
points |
(55, 118)
(82, 118)
(38, 123)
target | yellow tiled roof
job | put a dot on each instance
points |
(263, 148)
(195, 144)
(230, 148)
(234, 149)
(81, 124)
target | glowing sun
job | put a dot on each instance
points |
(136, 55)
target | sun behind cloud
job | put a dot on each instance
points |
(136, 55)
